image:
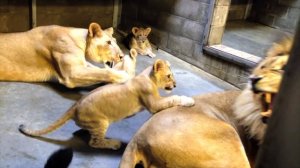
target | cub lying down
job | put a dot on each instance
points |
(98, 109)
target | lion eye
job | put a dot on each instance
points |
(109, 42)
(169, 76)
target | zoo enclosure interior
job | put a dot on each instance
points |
(214, 35)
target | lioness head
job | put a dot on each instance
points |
(163, 76)
(101, 46)
(128, 63)
(141, 34)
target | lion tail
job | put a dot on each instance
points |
(133, 157)
(58, 123)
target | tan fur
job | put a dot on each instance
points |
(128, 64)
(96, 111)
(140, 42)
(60, 53)
(217, 132)
(201, 136)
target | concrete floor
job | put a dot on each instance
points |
(251, 37)
(38, 104)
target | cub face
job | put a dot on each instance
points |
(163, 75)
(141, 34)
(101, 46)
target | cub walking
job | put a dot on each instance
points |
(113, 102)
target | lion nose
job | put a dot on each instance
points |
(174, 84)
(254, 79)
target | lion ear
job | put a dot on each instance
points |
(159, 65)
(147, 31)
(134, 30)
(133, 53)
(94, 30)
(110, 31)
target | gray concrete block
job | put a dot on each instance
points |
(181, 45)
(232, 79)
(266, 19)
(198, 51)
(159, 38)
(290, 3)
(233, 70)
(148, 16)
(187, 9)
(203, 13)
(130, 10)
(170, 23)
(159, 5)
(205, 1)
(216, 63)
(278, 10)
(286, 24)
(14, 22)
(192, 30)
(294, 13)
(74, 13)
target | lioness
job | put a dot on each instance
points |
(114, 102)
(219, 131)
(60, 53)
(138, 39)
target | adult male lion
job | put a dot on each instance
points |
(60, 53)
(219, 131)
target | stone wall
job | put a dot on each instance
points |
(14, 15)
(237, 10)
(76, 13)
(178, 27)
(282, 14)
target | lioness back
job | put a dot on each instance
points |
(164, 140)
(31, 52)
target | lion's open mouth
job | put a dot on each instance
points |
(168, 88)
(110, 64)
(267, 100)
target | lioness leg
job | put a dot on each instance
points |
(76, 72)
(98, 139)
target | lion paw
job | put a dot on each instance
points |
(152, 55)
(122, 77)
(186, 101)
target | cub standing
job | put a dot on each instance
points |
(114, 102)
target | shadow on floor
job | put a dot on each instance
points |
(79, 143)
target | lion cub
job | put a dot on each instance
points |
(113, 102)
(138, 39)
(128, 64)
